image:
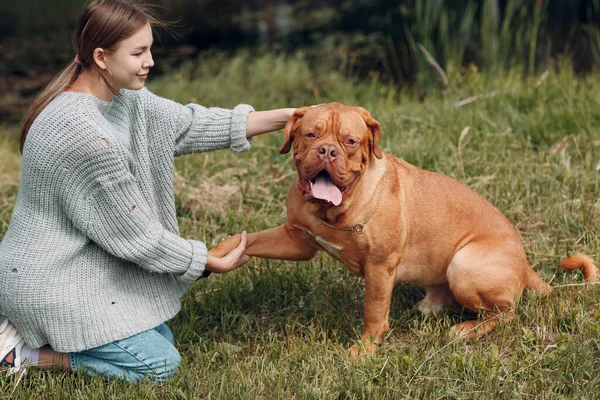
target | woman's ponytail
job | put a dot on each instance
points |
(59, 84)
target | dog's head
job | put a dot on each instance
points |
(333, 145)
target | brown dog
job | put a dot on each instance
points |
(389, 221)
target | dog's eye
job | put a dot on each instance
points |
(350, 142)
(310, 135)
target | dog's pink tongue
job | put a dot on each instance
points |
(325, 189)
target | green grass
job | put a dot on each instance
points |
(281, 330)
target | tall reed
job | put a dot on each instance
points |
(593, 34)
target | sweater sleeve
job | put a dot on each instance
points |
(198, 129)
(102, 199)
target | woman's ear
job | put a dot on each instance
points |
(99, 57)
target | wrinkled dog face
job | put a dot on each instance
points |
(333, 145)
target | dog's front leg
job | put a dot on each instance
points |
(379, 284)
(282, 243)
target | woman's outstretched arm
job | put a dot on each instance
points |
(260, 122)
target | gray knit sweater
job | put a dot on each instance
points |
(93, 253)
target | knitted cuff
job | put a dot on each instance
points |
(198, 264)
(239, 141)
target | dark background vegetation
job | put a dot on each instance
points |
(396, 41)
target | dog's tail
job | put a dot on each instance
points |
(577, 261)
(581, 261)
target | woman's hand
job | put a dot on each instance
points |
(260, 122)
(236, 258)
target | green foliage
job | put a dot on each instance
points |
(279, 329)
(497, 38)
(29, 16)
(440, 32)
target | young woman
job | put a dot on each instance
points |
(92, 264)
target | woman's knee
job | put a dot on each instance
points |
(160, 367)
(165, 332)
(165, 369)
(146, 356)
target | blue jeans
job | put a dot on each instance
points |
(149, 354)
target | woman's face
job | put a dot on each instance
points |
(132, 61)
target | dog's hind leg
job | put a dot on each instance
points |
(476, 328)
(438, 298)
(488, 280)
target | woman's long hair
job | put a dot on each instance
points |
(103, 24)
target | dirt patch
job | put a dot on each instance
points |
(208, 196)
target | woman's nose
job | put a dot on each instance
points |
(148, 63)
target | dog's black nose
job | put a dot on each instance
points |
(328, 151)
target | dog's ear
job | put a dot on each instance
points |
(290, 129)
(375, 129)
(375, 135)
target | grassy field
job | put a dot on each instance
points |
(281, 330)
